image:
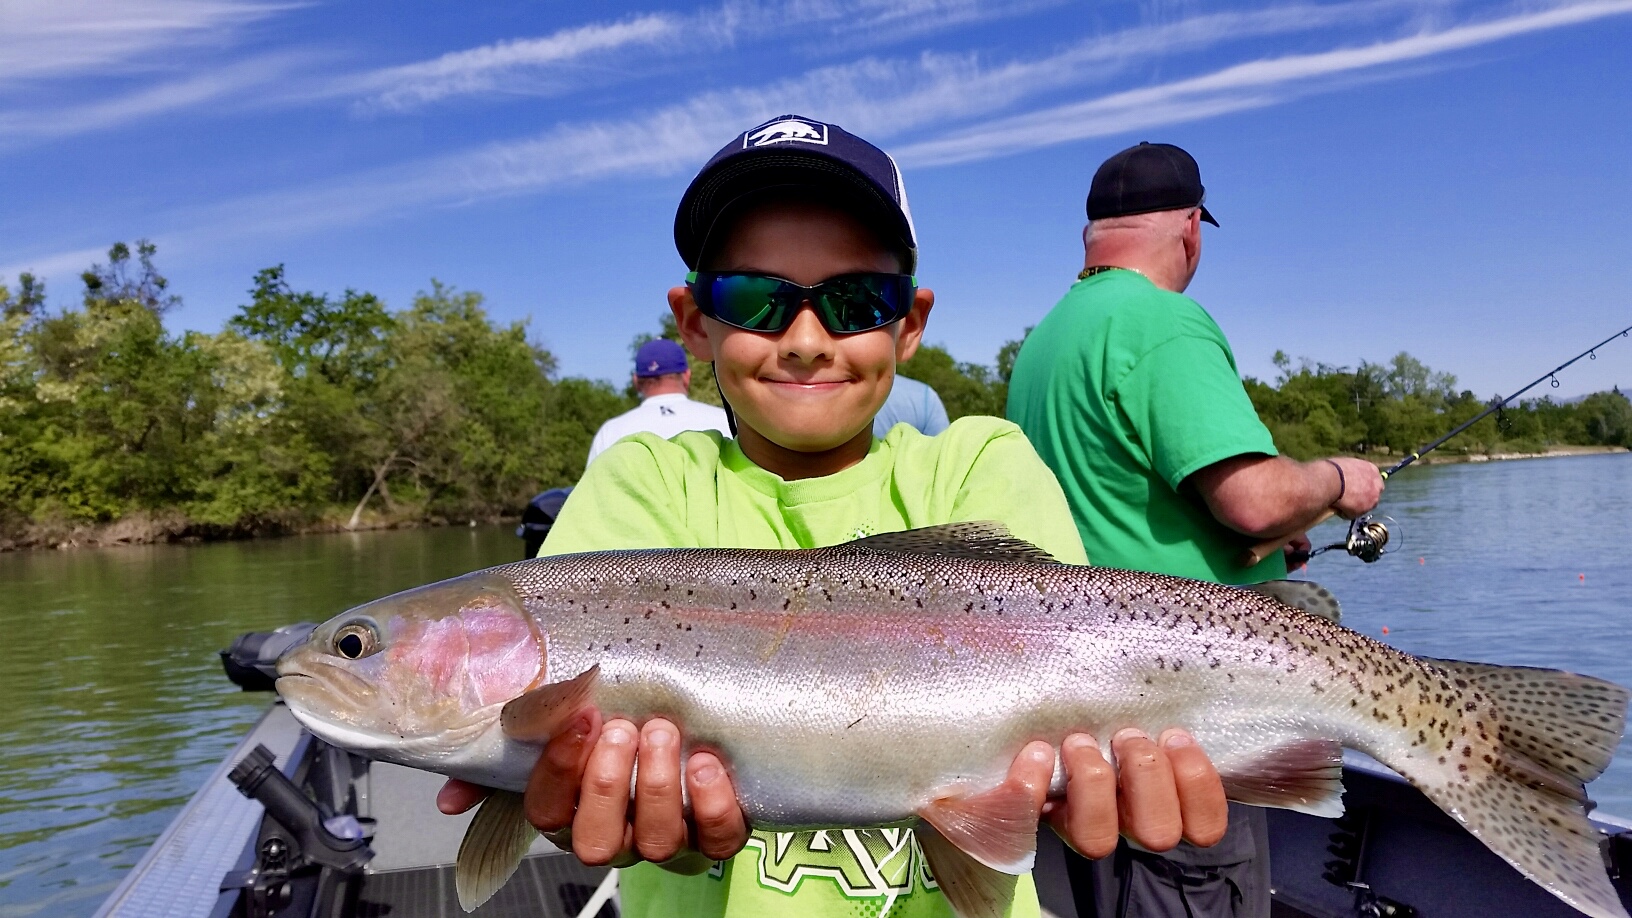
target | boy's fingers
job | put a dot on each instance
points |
(552, 788)
(1088, 820)
(1149, 807)
(1033, 769)
(721, 828)
(660, 826)
(457, 796)
(1201, 792)
(601, 825)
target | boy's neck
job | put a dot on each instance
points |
(793, 465)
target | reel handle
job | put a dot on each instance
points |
(1268, 547)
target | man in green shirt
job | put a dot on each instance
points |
(1129, 392)
(801, 294)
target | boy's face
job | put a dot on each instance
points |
(804, 389)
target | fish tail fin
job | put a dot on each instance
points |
(1513, 768)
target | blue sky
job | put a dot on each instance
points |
(1448, 178)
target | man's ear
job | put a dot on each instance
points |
(689, 320)
(910, 330)
(1192, 240)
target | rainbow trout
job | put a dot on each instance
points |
(891, 681)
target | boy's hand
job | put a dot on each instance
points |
(578, 796)
(1160, 794)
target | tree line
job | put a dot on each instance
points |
(309, 410)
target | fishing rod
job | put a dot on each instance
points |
(1367, 538)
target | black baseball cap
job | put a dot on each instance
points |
(795, 151)
(1144, 179)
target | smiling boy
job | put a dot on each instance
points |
(801, 293)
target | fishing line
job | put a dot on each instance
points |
(1368, 536)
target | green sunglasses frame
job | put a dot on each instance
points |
(815, 295)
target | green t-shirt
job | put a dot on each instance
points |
(1126, 390)
(699, 491)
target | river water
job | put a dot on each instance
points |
(113, 706)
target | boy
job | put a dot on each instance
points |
(801, 294)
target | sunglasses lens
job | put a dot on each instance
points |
(848, 304)
(862, 302)
(750, 301)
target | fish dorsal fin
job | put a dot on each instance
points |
(1307, 595)
(983, 540)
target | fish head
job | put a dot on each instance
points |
(418, 677)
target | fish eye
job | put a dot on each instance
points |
(356, 640)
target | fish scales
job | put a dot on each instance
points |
(852, 686)
(900, 682)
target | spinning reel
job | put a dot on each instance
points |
(1367, 538)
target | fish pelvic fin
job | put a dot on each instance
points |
(493, 846)
(1307, 595)
(982, 541)
(998, 827)
(1513, 773)
(1304, 775)
(538, 715)
(971, 888)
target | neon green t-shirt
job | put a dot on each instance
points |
(699, 491)
(1126, 390)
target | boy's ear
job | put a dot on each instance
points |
(689, 320)
(911, 329)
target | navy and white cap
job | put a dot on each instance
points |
(795, 151)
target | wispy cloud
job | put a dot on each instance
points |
(503, 65)
(68, 38)
(1249, 85)
(928, 101)
(18, 126)
(552, 63)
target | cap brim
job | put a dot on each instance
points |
(1207, 216)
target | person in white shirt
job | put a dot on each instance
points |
(911, 402)
(662, 379)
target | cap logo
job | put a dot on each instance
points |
(788, 130)
(651, 367)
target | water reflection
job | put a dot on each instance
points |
(112, 703)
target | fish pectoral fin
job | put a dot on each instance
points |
(971, 888)
(494, 844)
(1305, 775)
(1307, 595)
(982, 541)
(538, 715)
(997, 827)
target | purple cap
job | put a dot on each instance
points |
(792, 150)
(660, 357)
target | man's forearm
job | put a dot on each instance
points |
(1268, 496)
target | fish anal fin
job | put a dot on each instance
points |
(971, 888)
(982, 541)
(495, 842)
(1304, 775)
(1307, 595)
(997, 827)
(540, 714)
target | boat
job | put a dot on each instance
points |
(290, 827)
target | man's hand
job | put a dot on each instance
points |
(1362, 487)
(1297, 551)
(1160, 793)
